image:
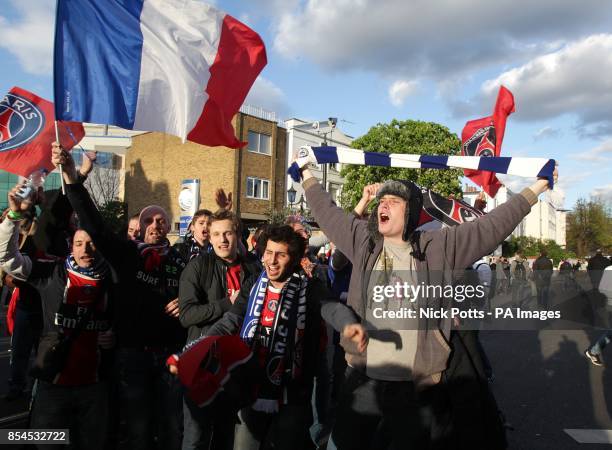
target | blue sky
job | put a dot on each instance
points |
(369, 61)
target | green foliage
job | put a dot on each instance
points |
(589, 227)
(114, 214)
(408, 136)
(531, 247)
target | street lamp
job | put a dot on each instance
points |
(291, 195)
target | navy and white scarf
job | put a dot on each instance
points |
(98, 271)
(284, 359)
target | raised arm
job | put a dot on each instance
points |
(117, 251)
(12, 260)
(480, 237)
(346, 231)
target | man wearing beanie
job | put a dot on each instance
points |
(407, 388)
(147, 319)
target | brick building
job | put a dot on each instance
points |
(156, 164)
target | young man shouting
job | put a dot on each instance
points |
(279, 316)
(403, 392)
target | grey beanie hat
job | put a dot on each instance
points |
(414, 204)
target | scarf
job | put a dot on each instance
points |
(285, 348)
(523, 167)
(98, 271)
(153, 254)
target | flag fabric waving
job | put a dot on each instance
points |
(483, 137)
(524, 167)
(27, 130)
(180, 67)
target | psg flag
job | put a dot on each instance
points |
(483, 137)
(27, 130)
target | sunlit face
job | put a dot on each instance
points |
(277, 261)
(224, 239)
(391, 216)
(133, 230)
(83, 249)
(156, 229)
(199, 229)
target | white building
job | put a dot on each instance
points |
(315, 134)
(545, 221)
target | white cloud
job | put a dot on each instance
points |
(572, 80)
(439, 39)
(599, 154)
(604, 193)
(400, 90)
(269, 96)
(546, 133)
(30, 38)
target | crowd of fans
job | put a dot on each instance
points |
(109, 318)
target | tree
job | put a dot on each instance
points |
(532, 247)
(103, 184)
(589, 227)
(115, 216)
(408, 136)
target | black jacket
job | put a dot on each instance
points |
(203, 290)
(140, 320)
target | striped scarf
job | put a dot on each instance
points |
(98, 271)
(284, 357)
(524, 167)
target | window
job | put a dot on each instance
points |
(257, 188)
(259, 143)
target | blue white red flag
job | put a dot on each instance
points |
(27, 130)
(180, 67)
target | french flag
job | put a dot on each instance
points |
(180, 67)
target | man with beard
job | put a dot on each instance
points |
(70, 391)
(147, 323)
(401, 392)
(279, 316)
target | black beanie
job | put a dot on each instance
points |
(414, 204)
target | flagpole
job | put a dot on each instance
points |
(61, 170)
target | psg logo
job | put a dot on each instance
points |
(481, 143)
(20, 121)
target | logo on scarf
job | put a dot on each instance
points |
(481, 143)
(274, 370)
(20, 122)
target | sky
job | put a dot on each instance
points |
(370, 61)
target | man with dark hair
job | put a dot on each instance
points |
(595, 268)
(542, 274)
(401, 393)
(76, 303)
(209, 286)
(147, 324)
(279, 316)
(196, 241)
